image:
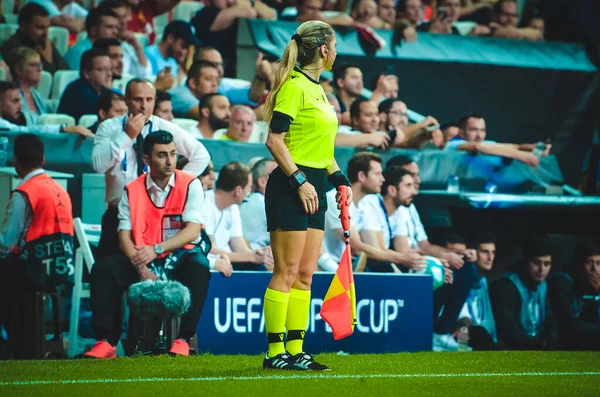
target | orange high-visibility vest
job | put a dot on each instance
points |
(151, 224)
(49, 240)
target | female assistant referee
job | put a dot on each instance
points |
(301, 138)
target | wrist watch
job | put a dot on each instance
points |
(158, 249)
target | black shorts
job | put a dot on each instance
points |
(283, 206)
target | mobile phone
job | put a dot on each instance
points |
(442, 13)
(167, 69)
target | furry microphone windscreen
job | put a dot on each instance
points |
(151, 299)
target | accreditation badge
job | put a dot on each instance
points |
(171, 225)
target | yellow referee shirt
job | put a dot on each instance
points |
(314, 123)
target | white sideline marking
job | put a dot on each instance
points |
(287, 377)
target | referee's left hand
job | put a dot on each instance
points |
(338, 198)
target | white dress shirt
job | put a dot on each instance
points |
(17, 221)
(112, 145)
(192, 211)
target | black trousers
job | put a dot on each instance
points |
(109, 239)
(13, 286)
(113, 275)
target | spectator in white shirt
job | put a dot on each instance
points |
(411, 232)
(10, 111)
(117, 152)
(223, 222)
(163, 107)
(471, 138)
(215, 114)
(173, 49)
(240, 127)
(203, 78)
(365, 174)
(252, 210)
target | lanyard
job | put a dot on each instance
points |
(387, 220)
(124, 162)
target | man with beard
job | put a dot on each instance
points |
(203, 78)
(173, 49)
(411, 233)
(34, 22)
(366, 176)
(380, 228)
(215, 114)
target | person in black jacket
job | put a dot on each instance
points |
(521, 304)
(575, 297)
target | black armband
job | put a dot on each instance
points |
(280, 122)
(297, 179)
(338, 179)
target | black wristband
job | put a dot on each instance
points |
(338, 179)
(297, 179)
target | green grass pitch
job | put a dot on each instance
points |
(417, 374)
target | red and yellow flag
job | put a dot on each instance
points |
(339, 307)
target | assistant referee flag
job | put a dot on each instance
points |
(339, 307)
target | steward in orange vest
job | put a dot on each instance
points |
(160, 231)
(49, 240)
(151, 224)
(42, 210)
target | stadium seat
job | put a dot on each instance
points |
(2, 74)
(186, 124)
(186, 10)
(7, 30)
(160, 22)
(86, 234)
(87, 120)
(62, 78)
(51, 105)
(55, 118)
(60, 37)
(11, 18)
(45, 85)
(121, 83)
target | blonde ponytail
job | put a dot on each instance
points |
(284, 69)
(311, 35)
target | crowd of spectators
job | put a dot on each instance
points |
(186, 72)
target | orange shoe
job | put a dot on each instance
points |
(180, 348)
(102, 349)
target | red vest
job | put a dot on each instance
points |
(151, 224)
(49, 240)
